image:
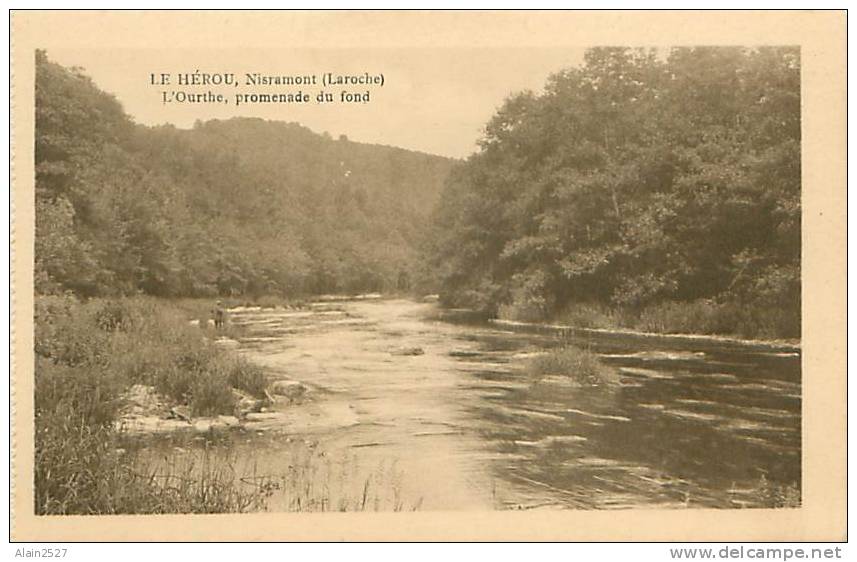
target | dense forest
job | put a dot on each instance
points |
(640, 180)
(646, 188)
(237, 207)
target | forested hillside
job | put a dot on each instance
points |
(647, 189)
(637, 183)
(237, 207)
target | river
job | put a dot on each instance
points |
(409, 410)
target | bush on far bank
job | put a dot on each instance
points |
(704, 316)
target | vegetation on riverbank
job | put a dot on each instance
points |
(88, 354)
(84, 469)
(772, 495)
(122, 342)
(241, 207)
(664, 187)
(705, 317)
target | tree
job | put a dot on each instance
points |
(634, 179)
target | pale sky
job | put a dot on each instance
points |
(435, 100)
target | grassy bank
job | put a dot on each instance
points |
(90, 354)
(87, 356)
(705, 317)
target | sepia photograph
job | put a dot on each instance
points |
(505, 278)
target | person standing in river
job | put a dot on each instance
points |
(219, 315)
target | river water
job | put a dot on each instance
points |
(462, 425)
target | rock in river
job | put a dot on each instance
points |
(463, 353)
(228, 421)
(180, 412)
(267, 416)
(408, 351)
(226, 342)
(289, 389)
(244, 403)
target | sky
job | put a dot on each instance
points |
(434, 100)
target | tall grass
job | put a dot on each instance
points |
(772, 495)
(710, 317)
(693, 317)
(248, 377)
(579, 365)
(765, 493)
(315, 483)
(87, 356)
(81, 470)
(137, 341)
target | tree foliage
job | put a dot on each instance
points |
(640, 177)
(242, 206)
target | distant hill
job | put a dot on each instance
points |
(242, 206)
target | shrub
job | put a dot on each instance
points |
(730, 318)
(210, 394)
(66, 334)
(705, 316)
(529, 298)
(589, 315)
(772, 495)
(270, 301)
(582, 365)
(484, 298)
(87, 356)
(248, 377)
(114, 315)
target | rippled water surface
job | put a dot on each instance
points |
(463, 426)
